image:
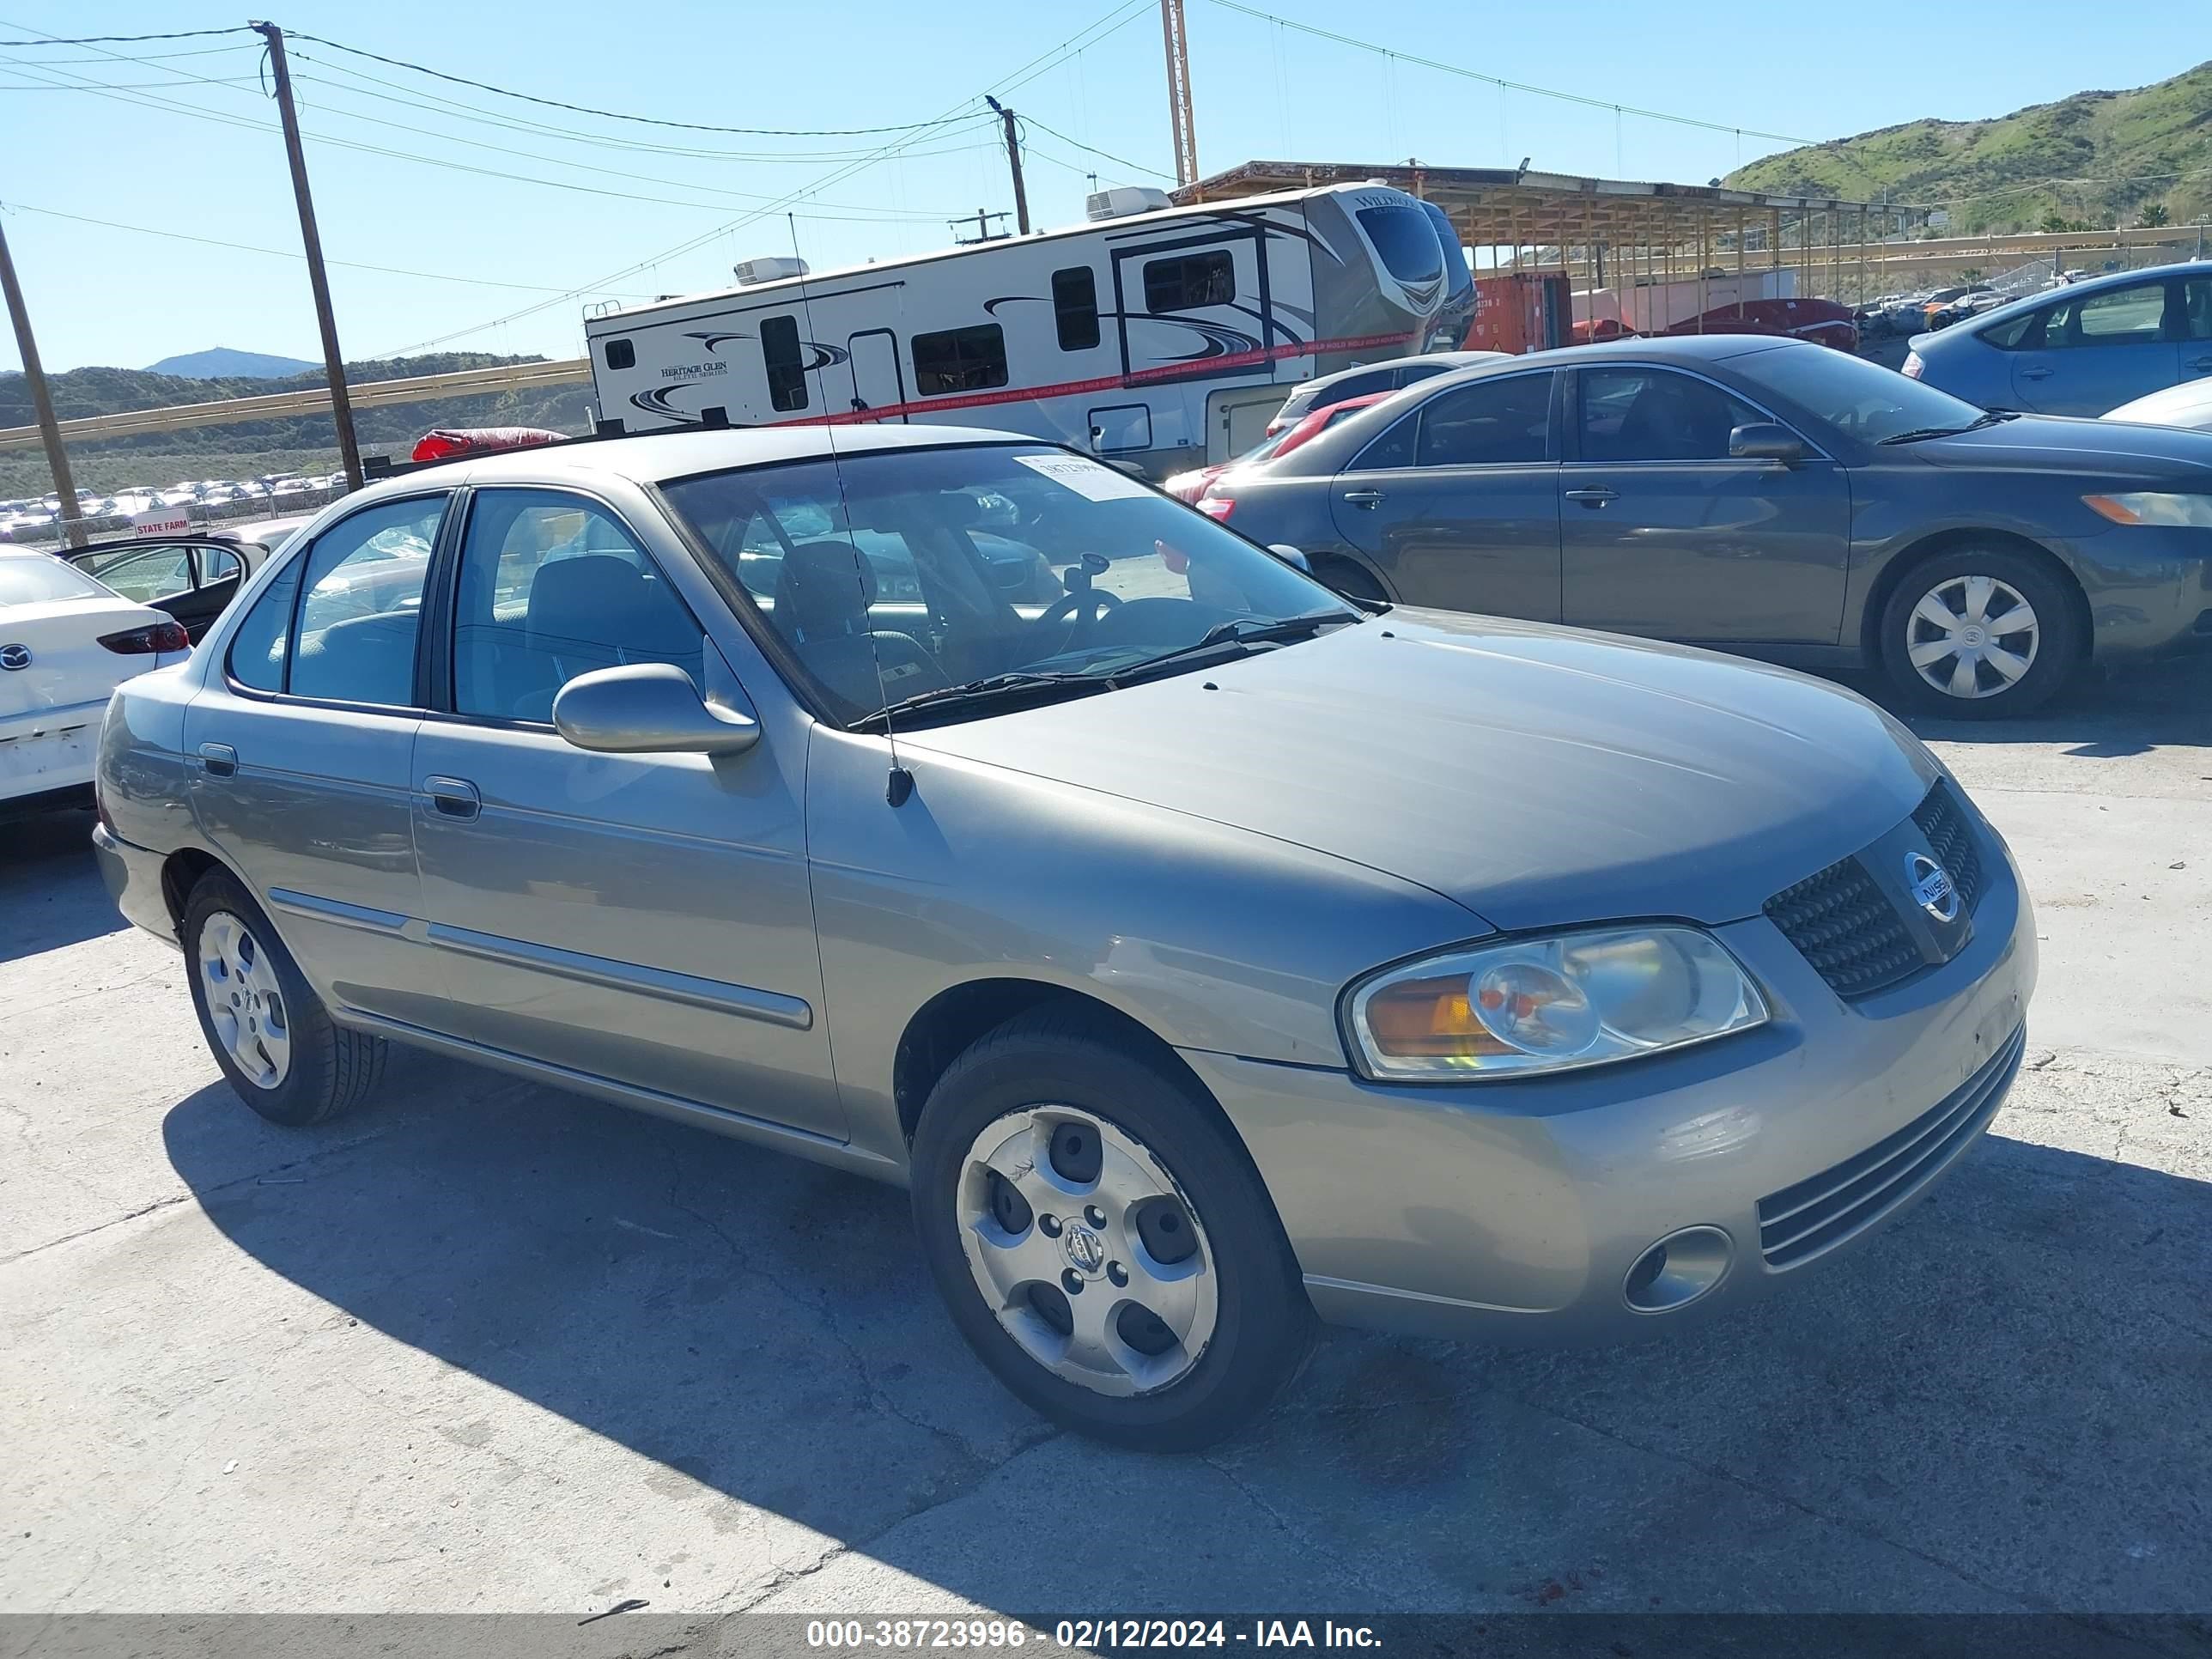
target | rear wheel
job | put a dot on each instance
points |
(265, 1027)
(1102, 1242)
(1980, 633)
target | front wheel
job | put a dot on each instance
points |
(1100, 1240)
(1980, 633)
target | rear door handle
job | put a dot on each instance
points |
(1593, 496)
(2038, 373)
(454, 797)
(1370, 499)
(220, 759)
(2202, 365)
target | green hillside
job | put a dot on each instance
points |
(2151, 148)
(246, 449)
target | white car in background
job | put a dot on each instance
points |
(66, 641)
(2188, 404)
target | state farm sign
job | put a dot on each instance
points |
(162, 521)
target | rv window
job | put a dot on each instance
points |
(960, 360)
(786, 368)
(620, 354)
(1185, 284)
(1075, 308)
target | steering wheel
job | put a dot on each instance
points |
(1083, 608)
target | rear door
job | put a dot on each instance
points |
(193, 580)
(1662, 532)
(2098, 349)
(1458, 505)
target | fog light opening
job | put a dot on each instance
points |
(1678, 1270)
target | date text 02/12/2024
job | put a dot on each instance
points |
(1097, 1635)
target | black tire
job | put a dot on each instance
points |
(2060, 646)
(1264, 1324)
(1342, 576)
(329, 1070)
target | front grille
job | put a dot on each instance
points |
(1943, 821)
(1847, 928)
(1814, 1216)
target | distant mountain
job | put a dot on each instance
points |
(222, 363)
(2097, 158)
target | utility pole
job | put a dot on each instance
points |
(1013, 161)
(34, 375)
(1179, 112)
(333, 360)
(983, 233)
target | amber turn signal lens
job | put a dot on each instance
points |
(1428, 1018)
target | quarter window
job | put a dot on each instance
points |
(361, 611)
(1651, 415)
(1195, 280)
(960, 360)
(1075, 308)
(258, 650)
(786, 366)
(552, 586)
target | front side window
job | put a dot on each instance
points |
(1075, 308)
(960, 360)
(906, 572)
(362, 612)
(1656, 415)
(786, 367)
(553, 586)
(1193, 280)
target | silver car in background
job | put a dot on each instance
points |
(1206, 954)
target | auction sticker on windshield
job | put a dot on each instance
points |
(1086, 477)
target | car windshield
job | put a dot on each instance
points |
(894, 574)
(37, 579)
(1861, 399)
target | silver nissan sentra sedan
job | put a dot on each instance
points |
(1206, 955)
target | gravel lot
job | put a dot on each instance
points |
(489, 1346)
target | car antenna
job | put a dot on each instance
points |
(900, 783)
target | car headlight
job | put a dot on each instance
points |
(2155, 507)
(1549, 1003)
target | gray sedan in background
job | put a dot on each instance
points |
(1206, 956)
(1763, 496)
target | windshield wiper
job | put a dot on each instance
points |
(997, 687)
(1990, 418)
(1236, 631)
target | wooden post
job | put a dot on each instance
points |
(1013, 164)
(318, 279)
(34, 375)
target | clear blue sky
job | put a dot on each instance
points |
(100, 294)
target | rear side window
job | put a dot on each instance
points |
(2134, 315)
(1075, 308)
(1195, 280)
(362, 607)
(960, 360)
(1352, 385)
(1490, 423)
(786, 367)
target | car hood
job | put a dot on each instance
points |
(2057, 443)
(1537, 776)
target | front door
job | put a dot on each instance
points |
(2101, 349)
(1663, 533)
(878, 381)
(1458, 504)
(642, 918)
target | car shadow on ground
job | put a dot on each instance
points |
(2103, 714)
(45, 903)
(2007, 1383)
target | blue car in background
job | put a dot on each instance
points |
(2081, 350)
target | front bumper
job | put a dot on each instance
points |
(2150, 588)
(133, 876)
(1515, 1211)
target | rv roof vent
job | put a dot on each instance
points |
(749, 271)
(1123, 200)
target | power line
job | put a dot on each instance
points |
(137, 86)
(1092, 149)
(112, 39)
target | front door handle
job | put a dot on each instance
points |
(1370, 499)
(2038, 373)
(220, 759)
(454, 797)
(1593, 496)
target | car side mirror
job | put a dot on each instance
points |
(647, 708)
(1293, 557)
(1766, 441)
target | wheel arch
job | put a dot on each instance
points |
(1354, 565)
(1902, 564)
(180, 872)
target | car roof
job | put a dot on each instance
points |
(1463, 358)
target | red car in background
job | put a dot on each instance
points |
(1189, 486)
(1824, 322)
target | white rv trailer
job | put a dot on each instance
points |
(1148, 337)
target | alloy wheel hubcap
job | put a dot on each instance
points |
(245, 1003)
(1972, 636)
(1086, 1250)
